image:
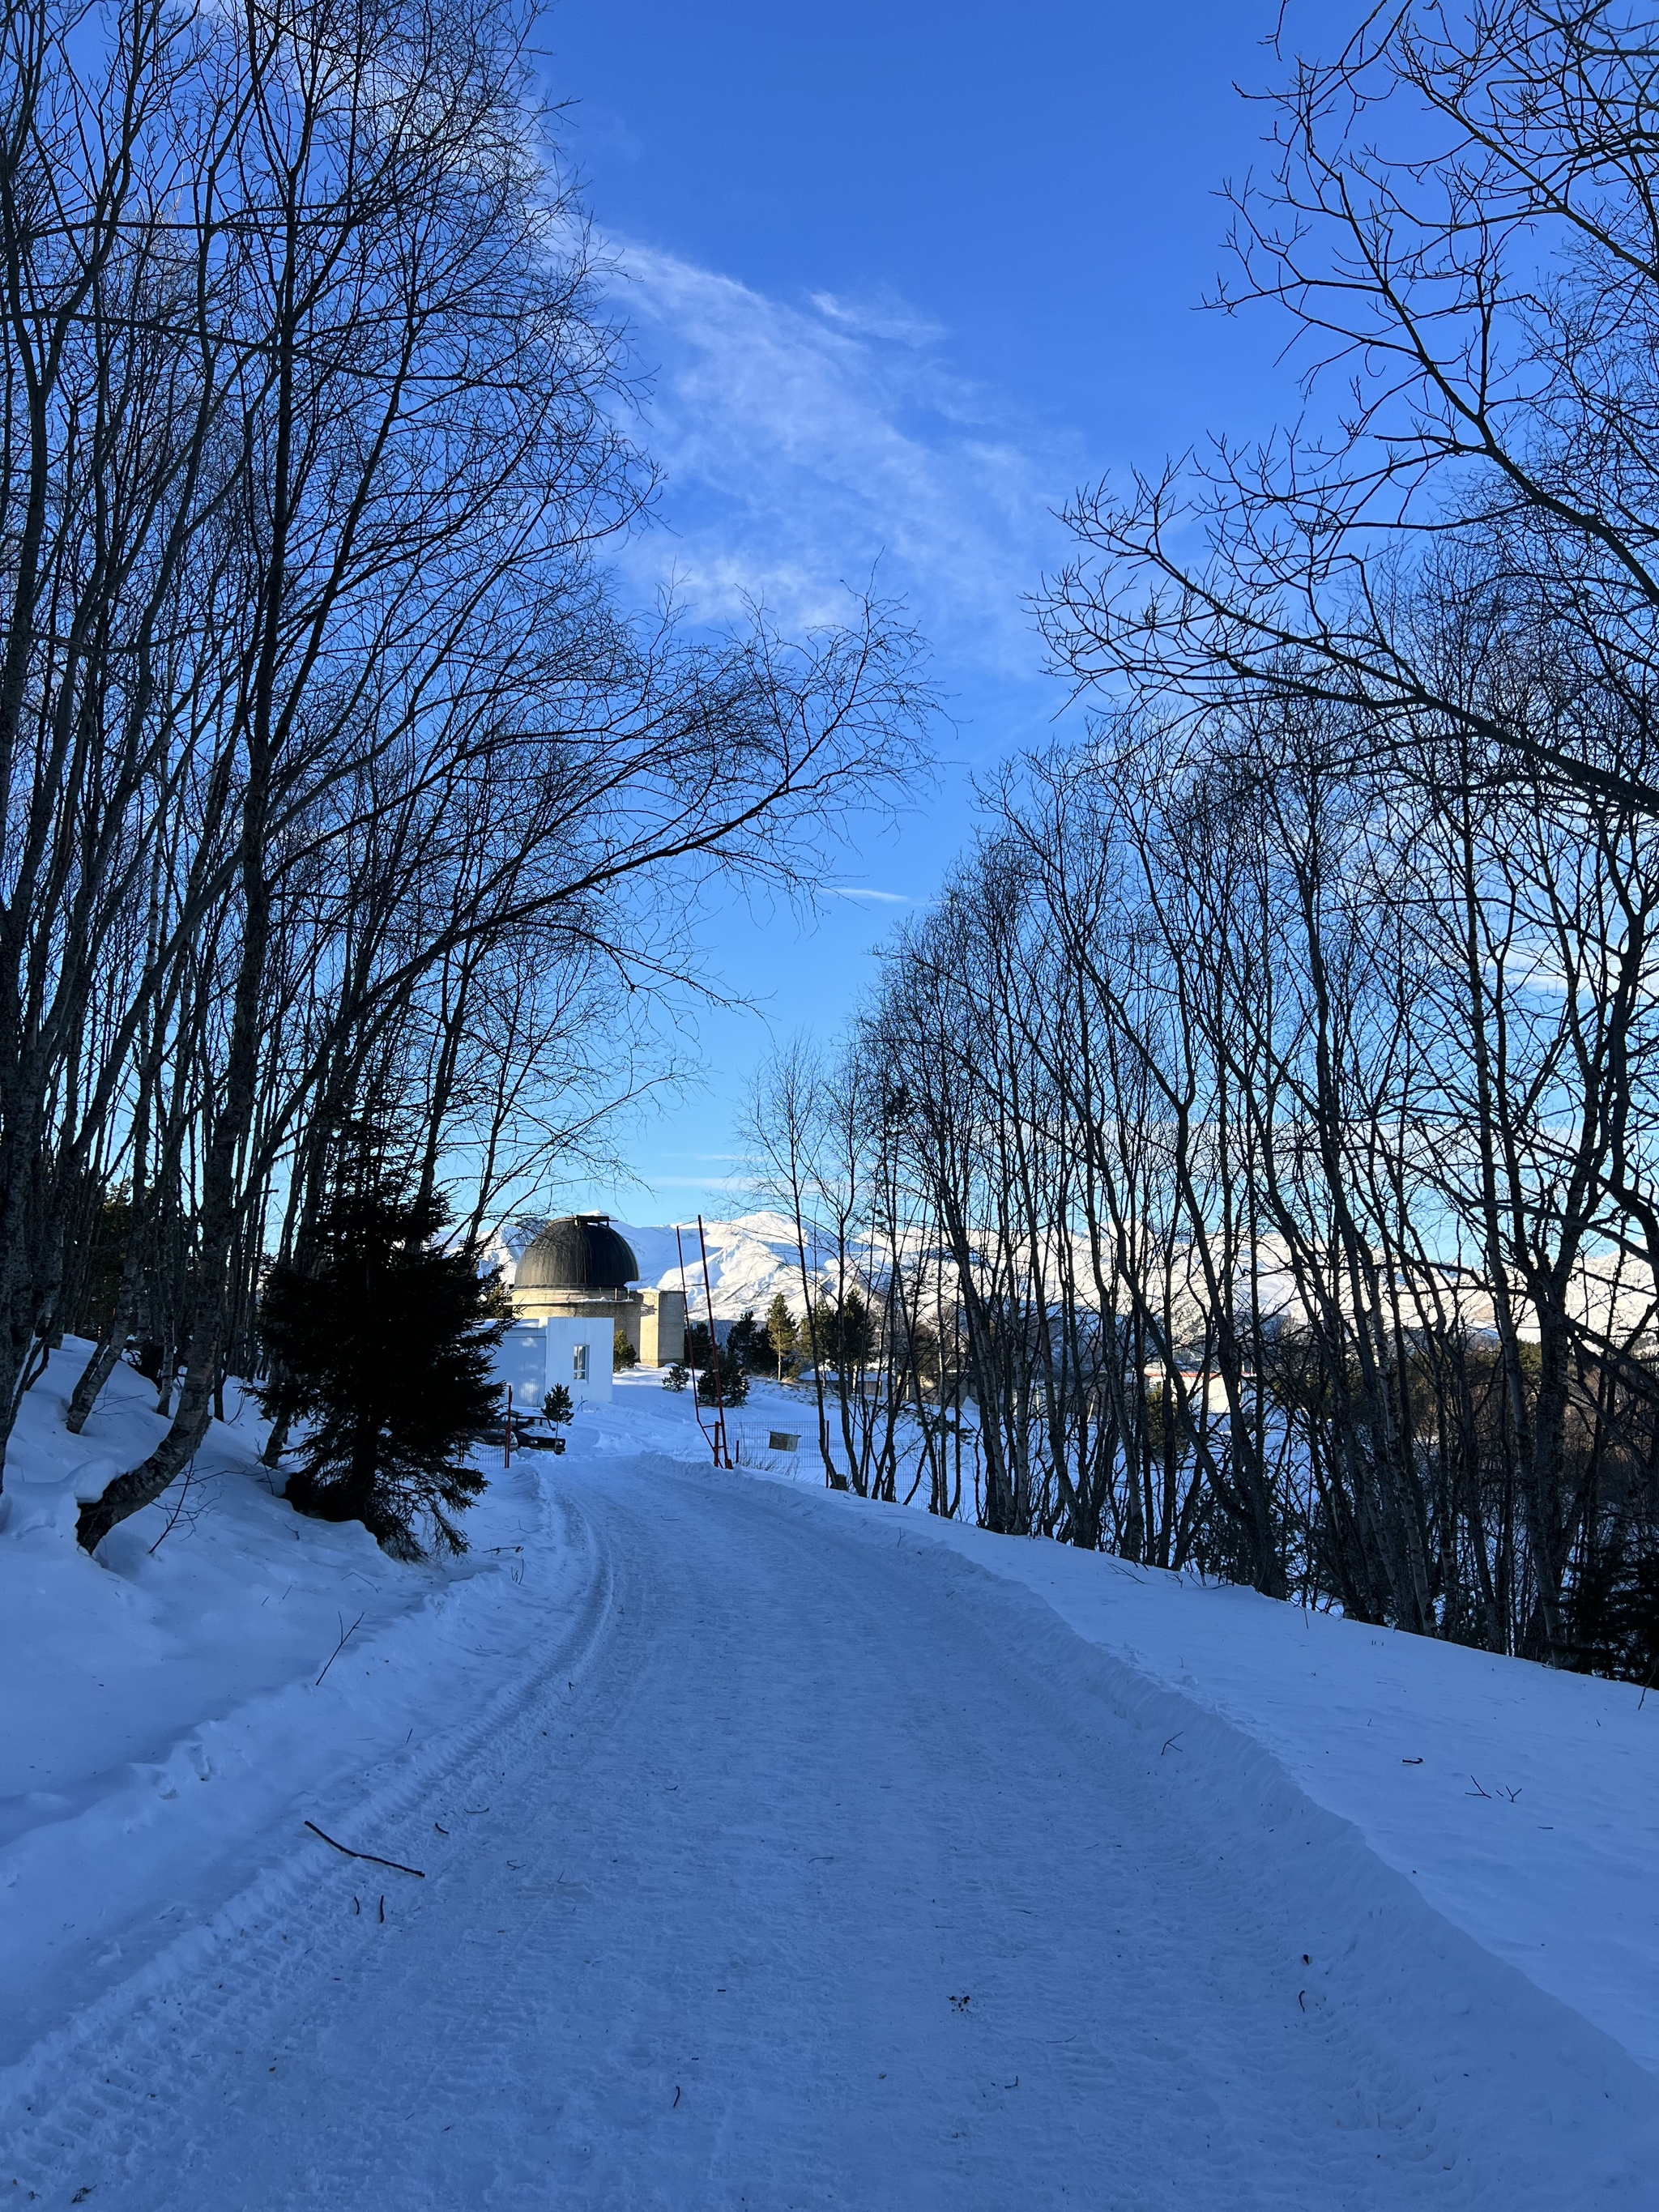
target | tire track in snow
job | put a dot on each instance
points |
(832, 1879)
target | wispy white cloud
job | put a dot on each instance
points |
(738, 1184)
(857, 892)
(878, 315)
(805, 446)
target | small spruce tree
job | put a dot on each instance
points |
(710, 1356)
(733, 1386)
(781, 1333)
(383, 1351)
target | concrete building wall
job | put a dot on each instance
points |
(661, 1339)
(653, 1321)
(617, 1306)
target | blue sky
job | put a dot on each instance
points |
(900, 277)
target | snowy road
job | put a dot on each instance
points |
(800, 1880)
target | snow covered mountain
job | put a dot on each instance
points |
(751, 1259)
(753, 1256)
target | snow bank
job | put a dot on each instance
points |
(1521, 1803)
(163, 1728)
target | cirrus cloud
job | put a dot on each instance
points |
(806, 446)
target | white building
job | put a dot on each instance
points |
(536, 1354)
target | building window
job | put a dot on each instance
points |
(579, 1365)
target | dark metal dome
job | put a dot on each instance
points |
(582, 1252)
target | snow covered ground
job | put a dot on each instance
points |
(781, 1849)
(127, 1686)
(1522, 1803)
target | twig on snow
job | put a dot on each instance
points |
(372, 1857)
(178, 1512)
(346, 1635)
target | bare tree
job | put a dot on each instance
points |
(330, 768)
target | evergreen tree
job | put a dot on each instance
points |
(383, 1349)
(734, 1379)
(710, 1358)
(782, 1332)
(846, 1332)
(746, 1343)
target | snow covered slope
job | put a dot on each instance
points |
(751, 1259)
(191, 1658)
(780, 1848)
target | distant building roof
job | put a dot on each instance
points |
(582, 1252)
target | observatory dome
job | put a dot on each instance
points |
(582, 1252)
